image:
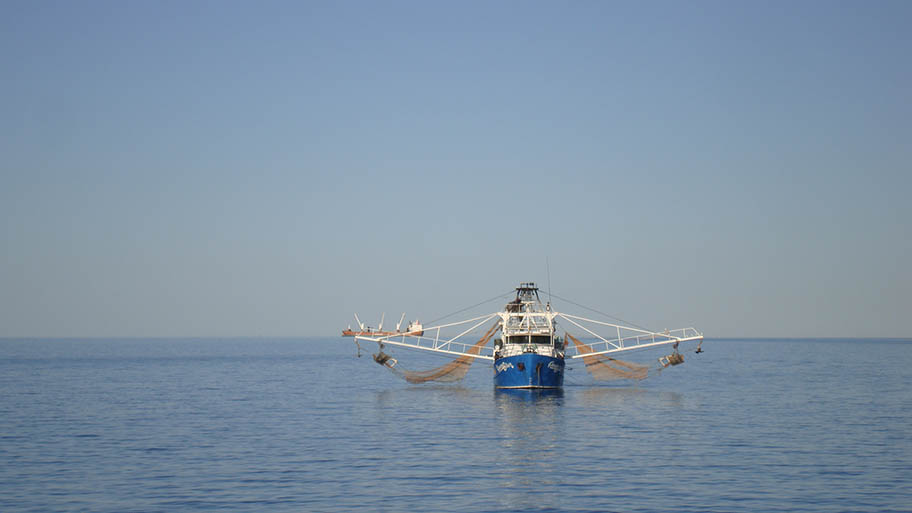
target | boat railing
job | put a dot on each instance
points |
(435, 344)
(438, 339)
(626, 338)
(641, 341)
(518, 349)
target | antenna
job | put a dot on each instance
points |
(548, 267)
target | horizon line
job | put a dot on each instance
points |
(248, 337)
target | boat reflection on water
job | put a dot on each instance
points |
(530, 414)
(533, 426)
(529, 395)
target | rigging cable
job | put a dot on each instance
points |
(548, 267)
(469, 307)
(603, 313)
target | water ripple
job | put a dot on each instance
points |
(291, 425)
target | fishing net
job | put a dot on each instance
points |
(452, 371)
(605, 368)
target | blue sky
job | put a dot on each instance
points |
(269, 168)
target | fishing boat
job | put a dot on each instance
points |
(414, 328)
(530, 354)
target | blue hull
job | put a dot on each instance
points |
(529, 370)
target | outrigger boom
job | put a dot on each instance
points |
(530, 354)
(644, 339)
(435, 343)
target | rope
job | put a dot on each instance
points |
(469, 308)
(603, 313)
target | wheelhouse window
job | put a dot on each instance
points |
(526, 339)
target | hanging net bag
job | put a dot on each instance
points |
(452, 371)
(605, 368)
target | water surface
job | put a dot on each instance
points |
(305, 425)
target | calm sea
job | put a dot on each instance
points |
(305, 425)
